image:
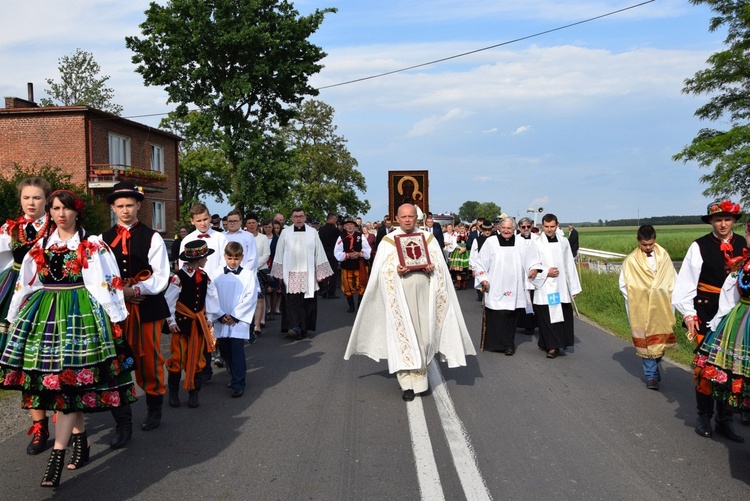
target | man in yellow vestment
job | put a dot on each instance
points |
(646, 282)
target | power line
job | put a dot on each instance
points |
(552, 30)
(485, 48)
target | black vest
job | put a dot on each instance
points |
(713, 272)
(192, 295)
(153, 307)
(351, 243)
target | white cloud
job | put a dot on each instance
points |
(522, 129)
(429, 125)
(490, 131)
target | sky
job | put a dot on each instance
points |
(581, 121)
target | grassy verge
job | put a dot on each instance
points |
(602, 303)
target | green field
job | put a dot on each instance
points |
(621, 239)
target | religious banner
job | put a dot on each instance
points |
(412, 250)
(407, 187)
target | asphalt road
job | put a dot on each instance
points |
(313, 426)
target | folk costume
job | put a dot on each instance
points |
(17, 237)
(191, 296)
(353, 267)
(553, 295)
(409, 320)
(237, 291)
(217, 242)
(143, 262)
(723, 357)
(301, 263)
(647, 283)
(502, 264)
(696, 294)
(459, 261)
(64, 351)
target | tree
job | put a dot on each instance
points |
(204, 169)
(471, 210)
(243, 63)
(80, 84)
(96, 212)
(727, 82)
(325, 175)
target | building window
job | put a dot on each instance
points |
(119, 150)
(159, 219)
(157, 158)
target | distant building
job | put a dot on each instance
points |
(97, 149)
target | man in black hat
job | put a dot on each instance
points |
(144, 267)
(352, 251)
(696, 296)
(216, 222)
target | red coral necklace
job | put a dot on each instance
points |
(39, 234)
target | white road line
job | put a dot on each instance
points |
(475, 488)
(427, 472)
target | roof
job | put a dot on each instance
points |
(101, 115)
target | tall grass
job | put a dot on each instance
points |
(602, 303)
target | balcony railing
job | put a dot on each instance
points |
(107, 173)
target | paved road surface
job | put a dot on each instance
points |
(312, 426)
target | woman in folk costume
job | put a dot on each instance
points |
(17, 237)
(459, 259)
(647, 281)
(61, 350)
(723, 357)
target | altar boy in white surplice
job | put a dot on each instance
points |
(237, 288)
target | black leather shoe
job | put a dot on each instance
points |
(408, 395)
(552, 354)
(703, 426)
(510, 352)
(652, 384)
(123, 432)
(237, 393)
(725, 429)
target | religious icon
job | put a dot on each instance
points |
(412, 250)
(407, 187)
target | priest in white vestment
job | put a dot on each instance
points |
(555, 284)
(501, 269)
(407, 317)
(300, 263)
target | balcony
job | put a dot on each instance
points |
(107, 175)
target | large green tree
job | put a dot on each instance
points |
(471, 210)
(80, 84)
(326, 178)
(727, 81)
(204, 169)
(243, 63)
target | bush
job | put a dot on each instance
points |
(96, 213)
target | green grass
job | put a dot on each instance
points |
(602, 303)
(622, 239)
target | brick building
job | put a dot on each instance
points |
(98, 149)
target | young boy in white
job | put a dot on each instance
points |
(238, 294)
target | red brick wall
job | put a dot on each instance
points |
(60, 137)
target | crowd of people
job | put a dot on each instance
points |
(83, 315)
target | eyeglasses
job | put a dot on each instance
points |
(233, 221)
(525, 227)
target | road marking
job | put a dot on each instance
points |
(464, 458)
(427, 472)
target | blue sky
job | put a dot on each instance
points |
(582, 121)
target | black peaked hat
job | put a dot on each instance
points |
(125, 189)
